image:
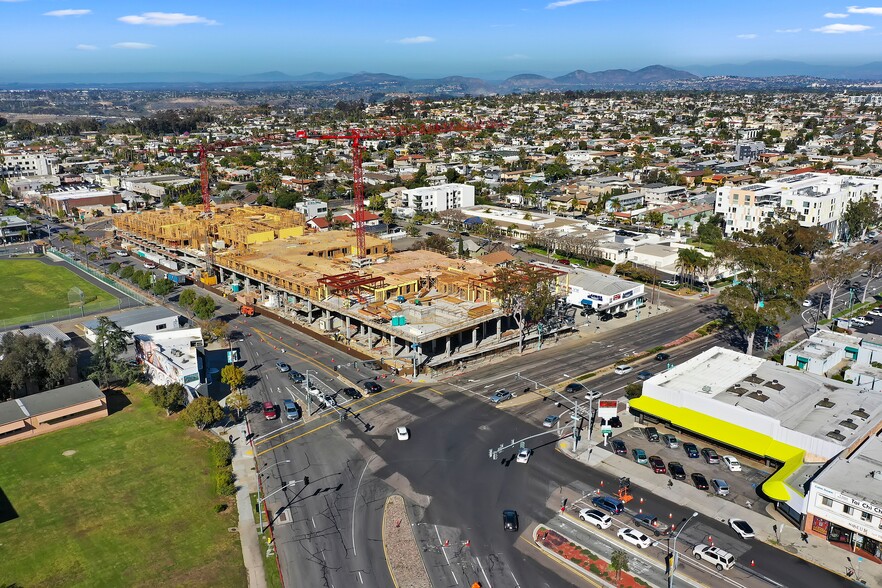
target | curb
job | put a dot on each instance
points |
(425, 571)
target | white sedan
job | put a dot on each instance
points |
(807, 302)
(732, 463)
(149, 266)
(875, 312)
(402, 433)
(524, 455)
(742, 527)
(634, 537)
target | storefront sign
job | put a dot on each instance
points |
(820, 525)
(848, 500)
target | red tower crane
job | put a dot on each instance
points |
(359, 135)
(203, 150)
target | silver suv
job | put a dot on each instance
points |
(500, 396)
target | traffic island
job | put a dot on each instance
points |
(403, 556)
(582, 558)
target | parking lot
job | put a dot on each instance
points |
(742, 485)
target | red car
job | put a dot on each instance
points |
(270, 411)
(657, 465)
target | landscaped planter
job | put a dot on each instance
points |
(586, 560)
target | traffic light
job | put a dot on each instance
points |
(669, 564)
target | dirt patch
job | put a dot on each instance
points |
(402, 553)
(69, 452)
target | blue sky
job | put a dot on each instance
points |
(426, 37)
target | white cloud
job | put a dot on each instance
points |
(840, 28)
(68, 12)
(788, 30)
(874, 10)
(835, 15)
(747, 36)
(133, 45)
(165, 19)
(516, 57)
(562, 3)
(416, 40)
(83, 47)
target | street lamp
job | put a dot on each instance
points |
(262, 500)
(673, 553)
(259, 485)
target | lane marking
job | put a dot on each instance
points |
(355, 501)
(478, 559)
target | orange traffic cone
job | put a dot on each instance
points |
(468, 543)
(752, 563)
(447, 543)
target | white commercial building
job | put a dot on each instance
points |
(28, 164)
(311, 208)
(139, 321)
(438, 198)
(600, 292)
(813, 199)
(172, 357)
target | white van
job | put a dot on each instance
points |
(723, 560)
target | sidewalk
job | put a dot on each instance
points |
(788, 537)
(246, 484)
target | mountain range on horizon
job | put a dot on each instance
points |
(611, 78)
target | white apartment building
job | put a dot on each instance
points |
(173, 356)
(438, 198)
(28, 164)
(311, 208)
(813, 199)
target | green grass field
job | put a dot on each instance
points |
(32, 287)
(132, 507)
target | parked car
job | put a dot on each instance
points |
(372, 387)
(619, 447)
(500, 396)
(330, 398)
(875, 312)
(742, 527)
(596, 518)
(652, 434)
(639, 456)
(510, 520)
(652, 523)
(593, 394)
(662, 356)
(605, 316)
(731, 463)
(807, 302)
(149, 265)
(573, 388)
(292, 411)
(296, 377)
(611, 505)
(270, 412)
(722, 560)
(700, 481)
(550, 420)
(283, 367)
(720, 487)
(623, 369)
(402, 433)
(677, 471)
(634, 537)
(620, 314)
(691, 450)
(524, 455)
(709, 455)
(670, 440)
(351, 393)
(657, 465)
(563, 261)
(644, 375)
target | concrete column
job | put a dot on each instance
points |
(347, 327)
(392, 349)
(262, 289)
(247, 285)
(447, 346)
(475, 337)
(499, 328)
(220, 272)
(370, 334)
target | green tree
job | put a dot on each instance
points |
(772, 284)
(709, 233)
(110, 344)
(239, 402)
(202, 412)
(57, 365)
(233, 376)
(526, 293)
(438, 243)
(127, 272)
(619, 563)
(376, 202)
(655, 218)
(214, 330)
(187, 298)
(204, 307)
(834, 270)
(163, 287)
(171, 397)
(388, 217)
(251, 187)
(859, 215)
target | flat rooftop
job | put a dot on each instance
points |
(49, 401)
(851, 474)
(799, 401)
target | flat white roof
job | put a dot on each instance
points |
(851, 474)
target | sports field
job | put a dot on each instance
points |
(31, 287)
(131, 504)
